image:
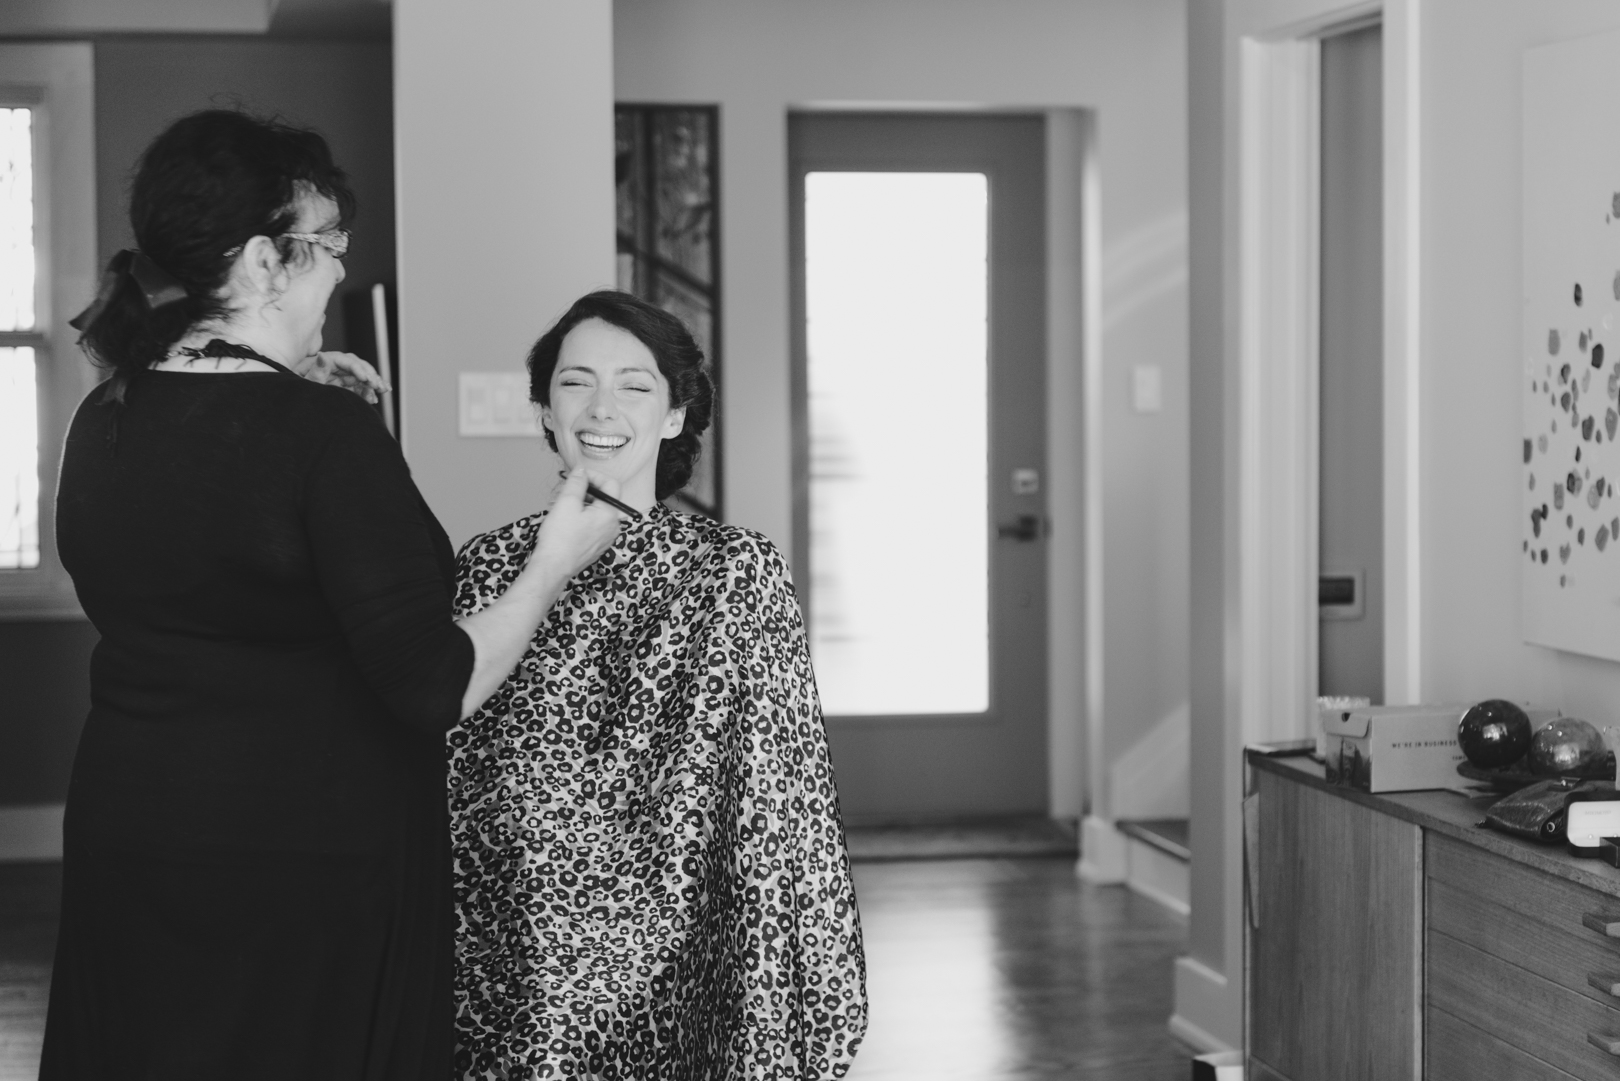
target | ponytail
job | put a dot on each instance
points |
(139, 311)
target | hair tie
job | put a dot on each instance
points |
(158, 287)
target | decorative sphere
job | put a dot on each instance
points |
(1566, 745)
(1494, 733)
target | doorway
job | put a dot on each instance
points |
(919, 348)
(1351, 503)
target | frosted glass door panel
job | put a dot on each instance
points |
(896, 295)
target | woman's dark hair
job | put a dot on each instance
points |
(680, 362)
(210, 183)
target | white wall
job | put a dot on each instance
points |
(1472, 468)
(1124, 60)
(503, 143)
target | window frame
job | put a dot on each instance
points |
(57, 80)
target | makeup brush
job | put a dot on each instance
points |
(593, 492)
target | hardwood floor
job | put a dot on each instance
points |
(979, 970)
(1013, 970)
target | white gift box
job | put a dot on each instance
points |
(1399, 748)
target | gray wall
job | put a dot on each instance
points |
(506, 203)
(341, 88)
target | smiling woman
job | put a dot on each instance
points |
(650, 872)
(623, 387)
(609, 407)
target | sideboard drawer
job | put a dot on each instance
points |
(1457, 1051)
(1539, 1017)
(1573, 960)
(1534, 895)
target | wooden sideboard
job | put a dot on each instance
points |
(1390, 937)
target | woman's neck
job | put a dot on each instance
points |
(640, 493)
(255, 334)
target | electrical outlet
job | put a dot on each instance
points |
(496, 404)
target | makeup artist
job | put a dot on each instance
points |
(651, 879)
(257, 869)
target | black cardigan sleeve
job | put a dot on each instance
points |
(382, 560)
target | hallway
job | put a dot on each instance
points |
(1014, 970)
(979, 970)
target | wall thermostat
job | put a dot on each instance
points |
(1339, 594)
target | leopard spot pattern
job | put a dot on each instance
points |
(650, 874)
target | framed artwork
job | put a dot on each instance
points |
(667, 172)
(1570, 348)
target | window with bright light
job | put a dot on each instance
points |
(47, 274)
(19, 401)
(896, 303)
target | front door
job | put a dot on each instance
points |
(919, 372)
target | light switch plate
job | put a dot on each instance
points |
(496, 404)
(1147, 388)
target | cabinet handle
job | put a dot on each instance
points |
(1602, 924)
(1607, 982)
(1608, 1043)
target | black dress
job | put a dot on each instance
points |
(257, 871)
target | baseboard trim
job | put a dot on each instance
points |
(1205, 1006)
(1102, 853)
(1201, 1041)
(1174, 904)
(1159, 877)
(31, 833)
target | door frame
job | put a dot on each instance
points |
(1268, 55)
(1272, 212)
(1076, 764)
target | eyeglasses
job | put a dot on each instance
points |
(335, 241)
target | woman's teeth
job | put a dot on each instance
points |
(603, 442)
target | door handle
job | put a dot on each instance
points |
(1026, 527)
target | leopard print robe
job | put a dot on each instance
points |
(650, 873)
